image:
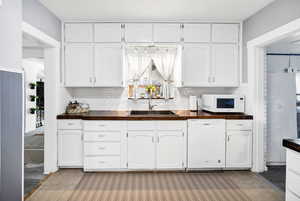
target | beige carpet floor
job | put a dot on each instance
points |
(74, 185)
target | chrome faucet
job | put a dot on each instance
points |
(150, 106)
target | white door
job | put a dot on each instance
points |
(108, 65)
(170, 150)
(225, 65)
(166, 32)
(239, 149)
(225, 33)
(141, 150)
(79, 32)
(195, 65)
(70, 148)
(206, 143)
(79, 65)
(108, 32)
(138, 32)
(197, 33)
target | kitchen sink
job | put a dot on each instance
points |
(153, 112)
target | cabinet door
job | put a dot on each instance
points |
(225, 33)
(79, 32)
(108, 32)
(70, 148)
(225, 65)
(196, 65)
(170, 150)
(78, 65)
(138, 32)
(141, 150)
(166, 33)
(108, 66)
(239, 149)
(206, 144)
(197, 33)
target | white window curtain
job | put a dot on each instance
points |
(139, 59)
(165, 60)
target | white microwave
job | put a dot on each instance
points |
(223, 103)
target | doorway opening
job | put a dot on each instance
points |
(41, 65)
(273, 64)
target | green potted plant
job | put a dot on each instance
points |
(32, 110)
(32, 98)
(32, 85)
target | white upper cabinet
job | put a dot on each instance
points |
(166, 33)
(195, 65)
(225, 65)
(138, 32)
(225, 33)
(108, 32)
(79, 65)
(197, 33)
(79, 32)
(108, 65)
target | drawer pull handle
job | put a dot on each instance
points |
(100, 136)
(101, 148)
(70, 124)
(101, 125)
(101, 162)
(206, 124)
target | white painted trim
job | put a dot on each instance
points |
(41, 36)
(13, 70)
(256, 80)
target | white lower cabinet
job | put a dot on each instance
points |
(239, 144)
(69, 145)
(293, 176)
(105, 145)
(170, 150)
(206, 143)
(161, 145)
(141, 150)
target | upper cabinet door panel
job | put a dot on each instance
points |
(166, 33)
(108, 65)
(138, 32)
(80, 32)
(225, 33)
(197, 33)
(78, 65)
(108, 32)
(225, 65)
(196, 65)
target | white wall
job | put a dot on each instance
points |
(32, 70)
(281, 106)
(11, 34)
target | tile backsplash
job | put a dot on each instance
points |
(116, 98)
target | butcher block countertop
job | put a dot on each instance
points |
(293, 144)
(125, 115)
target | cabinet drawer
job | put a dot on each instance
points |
(208, 123)
(291, 196)
(171, 125)
(69, 124)
(102, 136)
(293, 161)
(141, 125)
(98, 148)
(103, 125)
(102, 162)
(239, 124)
(293, 182)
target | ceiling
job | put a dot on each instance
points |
(231, 10)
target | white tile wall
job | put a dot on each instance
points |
(116, 98)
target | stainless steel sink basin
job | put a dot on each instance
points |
(153, 112)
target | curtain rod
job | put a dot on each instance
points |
(280, 54)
